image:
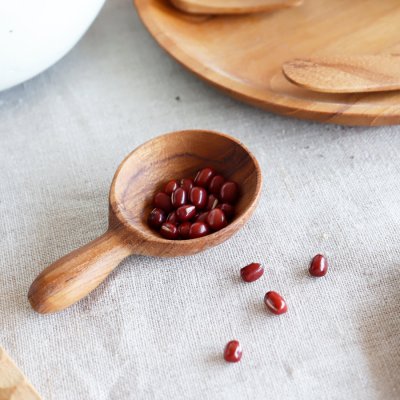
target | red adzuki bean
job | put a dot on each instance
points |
(198, 197)
(233, 351)
(252, 272)
(163, 201)
(216, 219)
(212, 202)
(229, 192)
(172, 217)
(169, 231)
(215, 185)
(156, 218)
(318, 266)
(170, 187)
(203, 177)
(275, 303)
(202, 217)
(187, 184)
(184, 229)
(185, 213)
(179, 197)
(228, 210)
(198, 229)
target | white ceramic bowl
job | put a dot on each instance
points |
(36, 34)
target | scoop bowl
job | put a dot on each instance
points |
(138, 178)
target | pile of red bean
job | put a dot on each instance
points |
(192, 208)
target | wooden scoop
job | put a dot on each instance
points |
(345, 74)
(175, 155)
(232, 6)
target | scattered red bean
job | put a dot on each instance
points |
(229, 192)
(198, 229)
(252, 272)
(187, 184)
(216, 219)
(212, 202)
(233, 351)
(169, 231)
(184, 230)
(204, 176)
(163, 201)
(198, 197)
(318, 266)
(185, 213)
(156, 218)
(275, 303)
(191, 208)
(179, 197)
(216, 184)
(228, 210)
(170, 187)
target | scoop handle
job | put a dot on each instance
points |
(75, 275)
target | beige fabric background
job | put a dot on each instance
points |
(156, 328)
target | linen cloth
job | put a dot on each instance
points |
(156, 328)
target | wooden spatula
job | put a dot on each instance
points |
(232, 6)
(345, 74)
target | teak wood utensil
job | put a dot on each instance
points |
(243, 55)
(345, 74)
(212, 7)
(13, 383)
(139, 176)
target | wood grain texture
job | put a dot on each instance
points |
(345, 74)
(136, 181)
(243, 55)
(13, 384)
(232, 6)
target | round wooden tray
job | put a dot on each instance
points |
(242, 55)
